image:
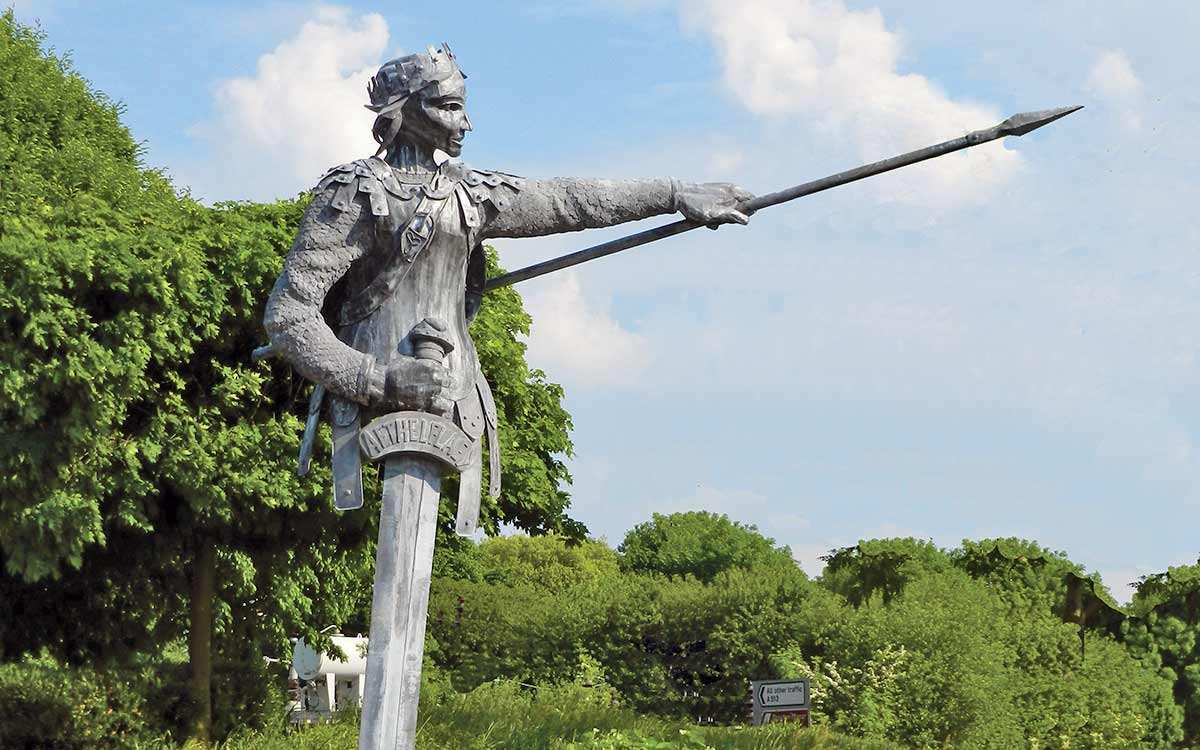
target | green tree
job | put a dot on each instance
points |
(1028, 575)
(945, 661)
(550, 561)
(697, 543)
(147, 467)
(881, 566)
(709, 640)
(673, 646)
(1165, 635)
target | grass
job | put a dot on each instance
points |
(502, 716)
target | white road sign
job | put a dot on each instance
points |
(781, 694)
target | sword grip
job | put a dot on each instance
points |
(429, 350)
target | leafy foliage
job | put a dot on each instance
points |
(880, 566)
(947, 661)
(44, 706)
(138, 431)
(505, 715)
(965, 650)
(1166, 636)
(1028, 575)
(697, 543)
(670, 646)
(549, 561)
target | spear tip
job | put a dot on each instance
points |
(1025, 122)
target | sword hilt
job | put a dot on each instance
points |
(429, 340)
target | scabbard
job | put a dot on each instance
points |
(470, 481)
(477, 416)
(493, 438)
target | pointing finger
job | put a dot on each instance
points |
(732, 216)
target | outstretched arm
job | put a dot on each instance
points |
(542, 207)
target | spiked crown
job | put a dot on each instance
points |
(401, 78)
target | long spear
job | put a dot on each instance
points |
(1018, 124)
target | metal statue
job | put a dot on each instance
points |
(373, 306)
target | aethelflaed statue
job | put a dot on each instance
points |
(373, 306)
(395, 239)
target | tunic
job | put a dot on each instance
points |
(379, 250)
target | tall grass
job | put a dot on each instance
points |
(505, 716)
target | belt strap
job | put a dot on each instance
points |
(414, 238)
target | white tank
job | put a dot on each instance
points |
(309, 663)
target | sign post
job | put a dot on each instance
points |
(776, 700)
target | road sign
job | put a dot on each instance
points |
(777, 698)
(781, 694)
(791, 714)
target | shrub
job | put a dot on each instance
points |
(44, 706)
(698, 544)
(549, 561)
(676, 647)
(948, 661)
(246, 695)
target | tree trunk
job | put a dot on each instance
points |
(200, 641)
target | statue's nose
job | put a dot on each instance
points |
(466, 123)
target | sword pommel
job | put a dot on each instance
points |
(429, 339)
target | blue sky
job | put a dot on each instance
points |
(999, 343)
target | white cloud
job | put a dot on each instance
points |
(578, 341)
(821, 62)
(1076, 349)
(739, 504)
(1111, 77)
(274, 133)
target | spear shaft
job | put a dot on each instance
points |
(1019, 124)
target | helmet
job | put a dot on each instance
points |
(398, 79)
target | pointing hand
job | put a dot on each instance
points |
(711, 203)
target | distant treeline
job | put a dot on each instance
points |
(994, 644)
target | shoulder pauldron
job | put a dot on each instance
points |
(483, 186)
(371, 177)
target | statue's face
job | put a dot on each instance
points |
(440, 119)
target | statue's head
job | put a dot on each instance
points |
(421, 99)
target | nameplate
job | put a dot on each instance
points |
(417, 432)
